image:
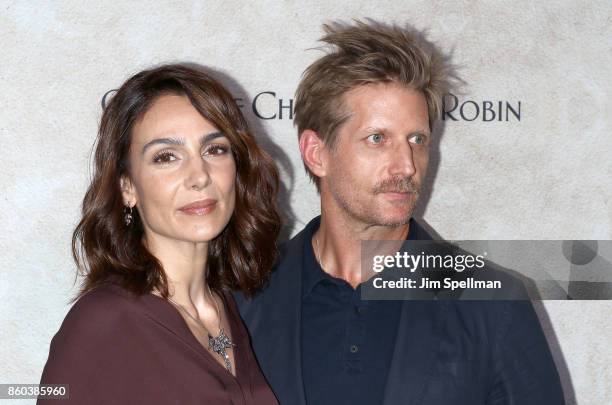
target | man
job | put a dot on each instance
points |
(364, 113)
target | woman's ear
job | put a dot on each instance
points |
(128, 191)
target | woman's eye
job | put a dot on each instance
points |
(164, 157)
(375, 138)
(216, 150)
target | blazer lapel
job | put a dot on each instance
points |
(416, 351)
(417, 343)
(274, 320)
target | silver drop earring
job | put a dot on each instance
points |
(127, 215)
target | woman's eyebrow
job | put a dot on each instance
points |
(165, 141)
(181, 141)
(209, 137)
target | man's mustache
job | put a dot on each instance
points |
(397, 185)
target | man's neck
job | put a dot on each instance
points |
(337, 243)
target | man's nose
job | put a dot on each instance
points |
(402, 160)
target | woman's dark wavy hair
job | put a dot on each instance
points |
(240, 258)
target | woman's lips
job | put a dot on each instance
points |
(201, 207)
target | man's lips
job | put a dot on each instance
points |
(200, 207)
(398, 195)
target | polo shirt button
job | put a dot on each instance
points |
(354, 349)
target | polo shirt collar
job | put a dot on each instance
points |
(312, 271)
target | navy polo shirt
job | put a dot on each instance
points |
(347, 343)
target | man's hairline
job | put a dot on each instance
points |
(332, 146)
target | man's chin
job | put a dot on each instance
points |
(397, 218)
(396, 204)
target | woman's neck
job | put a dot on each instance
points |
(184, 264)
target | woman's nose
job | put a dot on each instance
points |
(198, 177)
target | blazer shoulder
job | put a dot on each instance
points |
(282, 277)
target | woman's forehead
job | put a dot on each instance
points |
(174, 117)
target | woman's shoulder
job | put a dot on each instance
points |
(99, 312)
(97, 329)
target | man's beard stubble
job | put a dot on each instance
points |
(368, 216)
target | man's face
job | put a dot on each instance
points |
(375, 172)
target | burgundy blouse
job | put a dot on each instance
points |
(117, 348)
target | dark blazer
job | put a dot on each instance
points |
(117, 348)
(447, 352)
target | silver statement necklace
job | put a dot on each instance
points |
(219, 343)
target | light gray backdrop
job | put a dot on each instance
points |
(547, 175)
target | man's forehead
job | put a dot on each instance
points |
(375, 106)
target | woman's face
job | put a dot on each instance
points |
(182, 173)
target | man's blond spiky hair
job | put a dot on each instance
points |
(364, 53)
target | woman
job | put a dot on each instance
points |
(181, 211)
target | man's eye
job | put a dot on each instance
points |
(418, 139)
(216, 150)
(164, 157)
(375, 138)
